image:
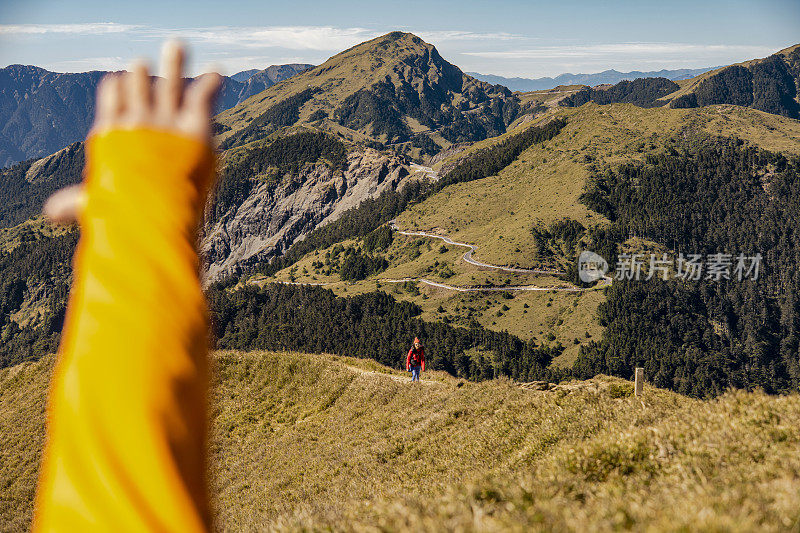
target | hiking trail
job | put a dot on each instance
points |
(467, 257)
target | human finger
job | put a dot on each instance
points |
(200, 95)
(109, 102)
(137, 93)
(170, 88)
(64, 206)
(197, 104)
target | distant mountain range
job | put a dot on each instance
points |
(243, 85)
(41, 111)
(606, 77)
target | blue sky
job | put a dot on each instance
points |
(509, 38)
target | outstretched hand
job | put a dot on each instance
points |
(129, 100)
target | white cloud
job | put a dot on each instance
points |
(255, 46)
(625, 50)
(289, 37)
(311, 37)
(452, 35)
(112, 63)
(94, 28)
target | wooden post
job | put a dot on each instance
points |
(639, 383)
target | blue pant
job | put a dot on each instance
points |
(415, 373)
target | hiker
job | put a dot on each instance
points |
(415, 360)
(127, 411)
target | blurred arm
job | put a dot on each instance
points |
(127, 411)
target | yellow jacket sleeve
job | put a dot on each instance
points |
(127, 413)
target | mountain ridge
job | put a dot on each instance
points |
(392, 89)
(610, 76)
(770, 84)
(289, 430)
(542, 186)
(42, 111)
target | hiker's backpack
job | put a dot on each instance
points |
(415, 360)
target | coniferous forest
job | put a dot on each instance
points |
(373, 325)
(43, 266)
(702, 337)
(22, 198)
(643, 92)
(767, 85)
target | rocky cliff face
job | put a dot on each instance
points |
(272, 218)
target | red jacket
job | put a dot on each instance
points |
(420, 358)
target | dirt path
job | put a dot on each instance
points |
(429, 172)
(468, 258)
(393, 377)
(470, 250)
(456, 288)
(482, 289)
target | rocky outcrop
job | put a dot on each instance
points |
(424, 87)
(272, 218)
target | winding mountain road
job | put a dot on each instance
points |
(429, 172)
(468, 259)
(470, 250)
(482, 289)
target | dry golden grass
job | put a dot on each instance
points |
(316, 442)
(724, 465)
(23, 389)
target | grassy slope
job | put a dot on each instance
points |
(320, 441)
(23, 389)
(544, 184)
(568, 316)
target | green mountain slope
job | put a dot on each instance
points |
(392, 89)
(503, 215)
(293, 183)
(770, 84)
(318, 442)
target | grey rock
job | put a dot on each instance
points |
(272, 218)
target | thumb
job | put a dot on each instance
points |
(65, 205)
